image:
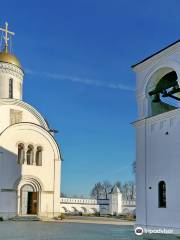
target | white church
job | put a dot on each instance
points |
(158, 140)
(30, 158)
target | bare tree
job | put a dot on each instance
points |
(134, 167)
(74, 196)
(132, 190)
(128, 190)
(97, 190)
(63, 195)
(101, 190)
(107, 186)
(125, 191)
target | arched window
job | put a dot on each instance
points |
(11, 88)
(30, 155)
(21, 153)
(39, 156)
(162, 194)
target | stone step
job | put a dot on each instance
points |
(25, 218)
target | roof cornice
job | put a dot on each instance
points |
(156, 56)
(155, 118)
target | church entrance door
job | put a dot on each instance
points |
(32, 203)
(29, 200)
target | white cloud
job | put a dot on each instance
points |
(85, 81)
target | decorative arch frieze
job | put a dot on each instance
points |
(11, 69)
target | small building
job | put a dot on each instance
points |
(115, 201)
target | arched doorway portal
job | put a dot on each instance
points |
(29, 200)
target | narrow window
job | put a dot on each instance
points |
(39, 156)
(162, 194)
(11, 88)
(20, 153)
(30, 155)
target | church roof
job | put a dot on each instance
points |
(154, 54)
(115, 189)
(6, 57)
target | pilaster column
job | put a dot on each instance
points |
(25, 152)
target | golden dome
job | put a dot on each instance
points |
(9, 58)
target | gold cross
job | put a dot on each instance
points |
(6, 38)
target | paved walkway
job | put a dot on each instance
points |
(97, 220)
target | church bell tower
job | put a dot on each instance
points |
(158, 139)
(11, 72)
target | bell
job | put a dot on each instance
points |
(156, 98)
(175, 89)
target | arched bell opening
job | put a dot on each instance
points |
(163, 91)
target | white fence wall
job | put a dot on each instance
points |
(88, 205)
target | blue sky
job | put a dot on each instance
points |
(77, 57)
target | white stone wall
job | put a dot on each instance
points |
(102, 206)
(129, 207)
(74, 205)
(46, 178)
(161, 163)
(29, 114)
(157, 146)
(13, 175)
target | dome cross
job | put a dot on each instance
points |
(6, 38)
